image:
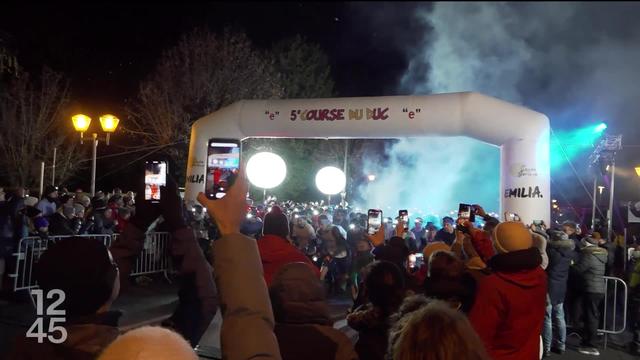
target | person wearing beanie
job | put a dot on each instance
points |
(83, 269)
(560, 251)
(48, 204)
(275, 250)
(591, 267)
(149, 342)
(446, 234)
(304, 327)
(509, 307)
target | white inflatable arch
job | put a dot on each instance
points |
(521, 134)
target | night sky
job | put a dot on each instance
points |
(106, 49)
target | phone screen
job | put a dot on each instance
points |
(374, 221)
(404, 215)
(465, 211)
(223, 164)
(155, 175)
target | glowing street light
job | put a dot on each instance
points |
(109, 123)
(638, 170)
(81, 122)
(371, 177)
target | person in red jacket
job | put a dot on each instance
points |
(275, 250)
(509, 308)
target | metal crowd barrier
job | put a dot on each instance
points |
(610, 317)
(154, 258)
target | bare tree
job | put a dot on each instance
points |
(199, 75)
(32, 120)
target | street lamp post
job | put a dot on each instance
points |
(81, 123)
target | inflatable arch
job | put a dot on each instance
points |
(521, 134)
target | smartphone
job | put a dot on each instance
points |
(511, 216)
(223, 165)
(155, 175)
(374, 221)
(465, 211)
(404, 215)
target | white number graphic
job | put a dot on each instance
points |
(39, 327)
(51, 310)
(56, 316)
(39, 299)
(61, 329)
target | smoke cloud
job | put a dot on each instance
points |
(575, 62)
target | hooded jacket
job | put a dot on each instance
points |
(561, 253)
(276, 252)
(509, 308)
(303, 325)
(591, 267)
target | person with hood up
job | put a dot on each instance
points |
(61, 223)
(509, 307)
(48, 203)
(304, 328)
(275, 250)
(85, 271)
(103, 222)
(591, 266)
(384, 289)
(560, 251)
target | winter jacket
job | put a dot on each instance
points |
(444, 236)
(591, 266)
(540, 240)
(60, 225)
(481, 241)
(303, 325)
(373, 328)
(611, 256)
(86, 339)
(247, 317)
(510, 303)
(47, 207)
(561, 254)
(197, 288)
(276, 252)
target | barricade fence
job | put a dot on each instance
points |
(613, 321)
(154, 258)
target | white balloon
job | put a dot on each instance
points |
(266, 170)
(330, 180)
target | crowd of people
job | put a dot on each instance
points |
(500, 290)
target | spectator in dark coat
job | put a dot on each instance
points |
(560, 250)
(508, 312)
(61, 223)
(303, 324)
(446, 234)
(84, 270)
(591, 267)
(384, 289)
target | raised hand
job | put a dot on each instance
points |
(230, 211)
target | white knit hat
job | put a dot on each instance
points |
(149, 343)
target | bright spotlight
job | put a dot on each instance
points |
(266, 170)
(600, 127)
(371, 177)
(330, 180)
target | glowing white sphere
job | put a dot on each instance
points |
(330, 180)
(266, 170)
